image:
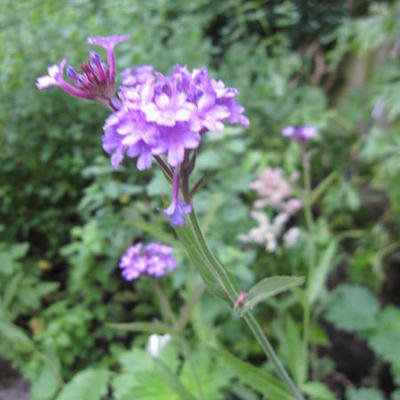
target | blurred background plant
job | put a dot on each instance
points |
(67, 216)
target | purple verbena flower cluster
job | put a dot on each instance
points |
(154, 116)
(302, 133)
(166, 116)
(153, 259)
(97, 79)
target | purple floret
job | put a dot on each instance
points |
(153, 259)
(303, 133)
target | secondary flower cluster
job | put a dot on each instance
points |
(153, 259)
(95, 82)
(275, 192)
(301, 134)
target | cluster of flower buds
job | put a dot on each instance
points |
(96, 81)
(301, 134)
(153, 259)
(154, 116)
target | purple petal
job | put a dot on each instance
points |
(108, 42)
(288, 131)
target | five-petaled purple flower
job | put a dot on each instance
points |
(303, 133)
(153, 259)
(97, 79)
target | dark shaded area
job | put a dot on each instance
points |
(12, 385)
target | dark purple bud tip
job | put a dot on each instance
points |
(94, 57)
(115, 104)
(71, 73)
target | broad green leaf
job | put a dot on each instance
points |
(269, 287)
(45, 386)
(320, 274)
(147, 327)
(352, 308)
(294, 351)
(257, 378)
(173, 381)
(385, 338)
(19, 250)
(211, 374)
(17, 337)
(143, 385)
(364, 394)
(140, 378)
(395, 395)
(317, 390)
(89, 384)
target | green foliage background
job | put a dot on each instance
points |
(66, 217)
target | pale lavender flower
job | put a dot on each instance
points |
(307, 132)
(289, 131)
(96, 81)
(301, 134)
(153, 259)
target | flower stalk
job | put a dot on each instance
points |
(196, 246)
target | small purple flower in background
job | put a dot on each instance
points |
(153, 259)
(96, 81)
(303, 133)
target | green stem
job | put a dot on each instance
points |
(227, 286)
(169, 314)
(188, 308)
(164, 303)
(307, 207)
(186, 351)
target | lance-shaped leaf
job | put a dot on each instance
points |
(269, 287)
(146, 327)
(320, 274)
(258, 379)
